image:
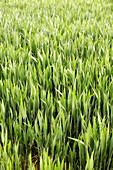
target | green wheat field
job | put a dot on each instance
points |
(56, 84)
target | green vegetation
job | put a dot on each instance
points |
(56, 84)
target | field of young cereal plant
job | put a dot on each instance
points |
(56, 84)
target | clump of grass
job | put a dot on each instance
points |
(56, 84)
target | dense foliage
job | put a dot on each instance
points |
(56, 84)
